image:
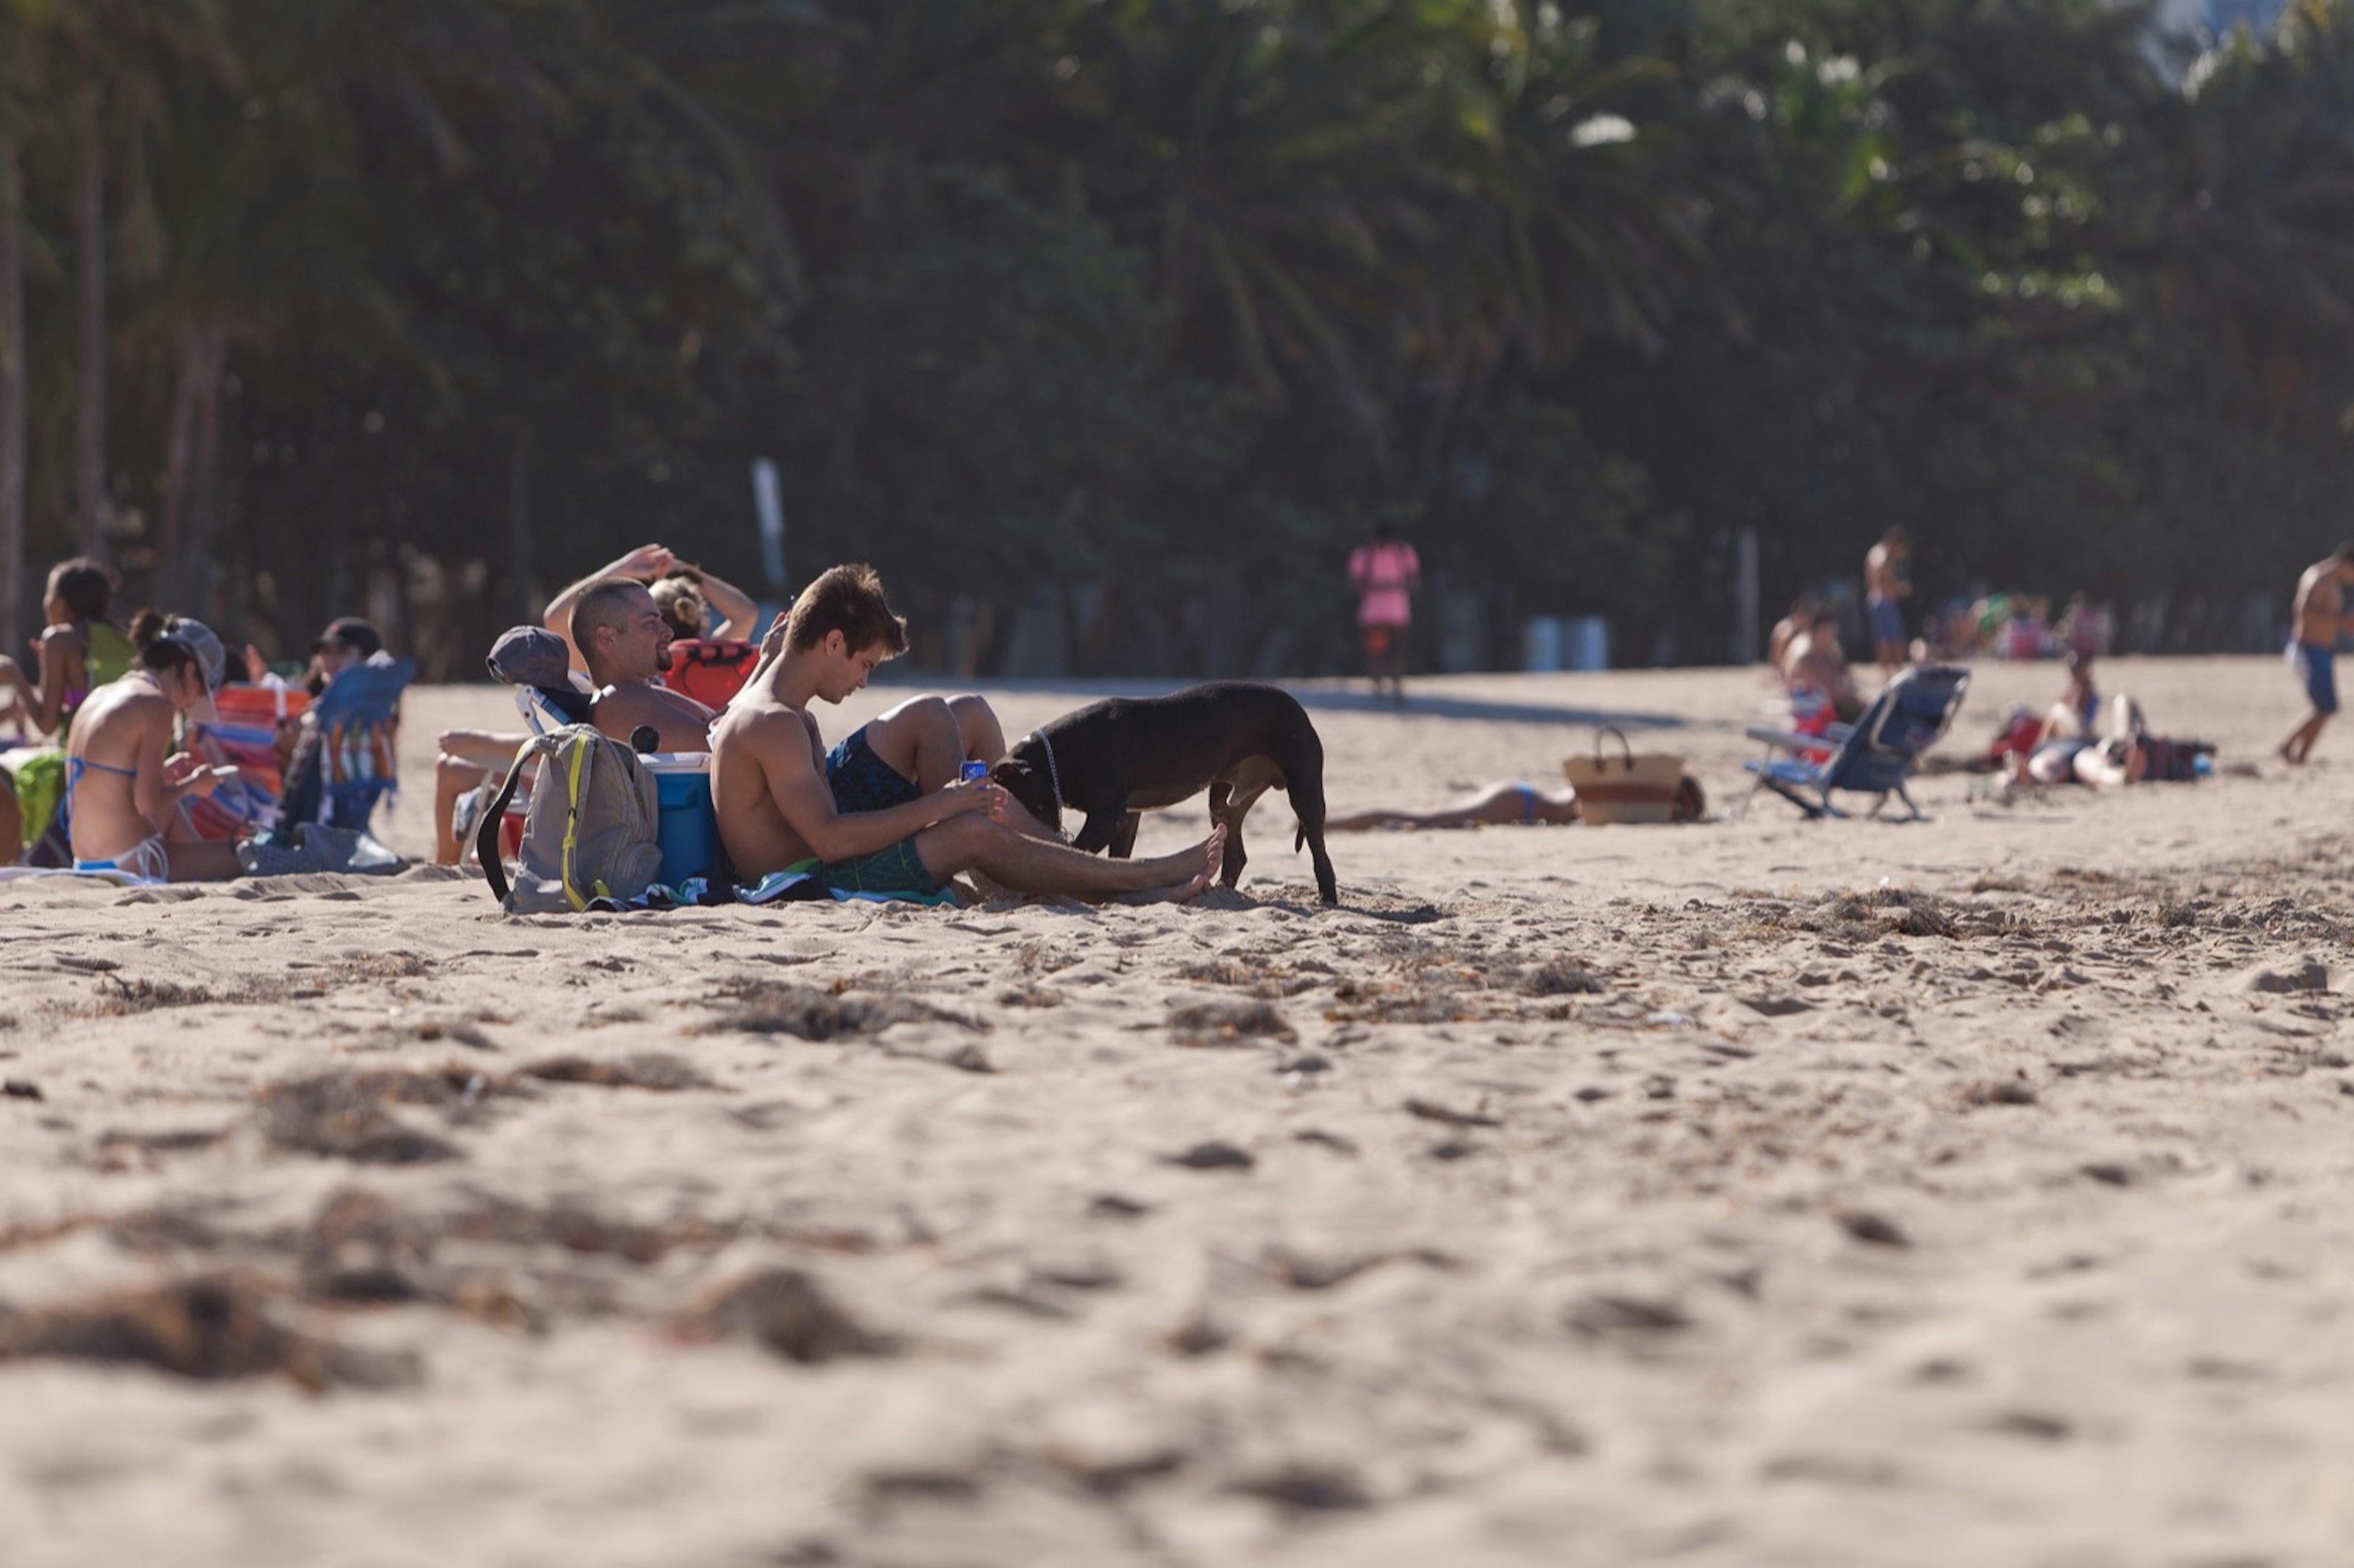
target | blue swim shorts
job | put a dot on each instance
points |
(862, 781)
(1887, 621)
(2316, 667)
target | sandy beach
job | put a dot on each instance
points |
(1752, 1192)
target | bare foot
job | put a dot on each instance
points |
(1213, 853)
(1175, 892)
(1210, 854)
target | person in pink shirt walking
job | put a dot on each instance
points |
(1386, 574)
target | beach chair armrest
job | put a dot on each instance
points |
(1790, 739)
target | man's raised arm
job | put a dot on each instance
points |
(772, 647)
(643, 565)
(738, 616)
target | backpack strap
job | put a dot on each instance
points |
(578, 747)
(486, 832)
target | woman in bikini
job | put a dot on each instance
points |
(80, 649)
(1500, 805)
(123, 782)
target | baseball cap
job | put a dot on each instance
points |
(352, 632)
(531, 656)
(211, 658)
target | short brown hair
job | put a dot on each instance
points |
(601, 604)
(848, 600)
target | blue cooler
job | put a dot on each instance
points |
(688, 831)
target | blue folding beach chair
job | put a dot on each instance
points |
(352, 725)
(1874, 755)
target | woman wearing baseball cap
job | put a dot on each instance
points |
(124, 785)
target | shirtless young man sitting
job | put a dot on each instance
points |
(2320, 617)
(778, 811)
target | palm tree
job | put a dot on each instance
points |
(12, 382)
(89, 241)
(16, 114)
(2252, 246)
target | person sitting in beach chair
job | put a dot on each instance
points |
(624, 643)
(1872, 757)
(780, 815)
(709, 662)
(344, 760)
(1815, 671)
(687, 596)
(1804, 610)
(471, 767)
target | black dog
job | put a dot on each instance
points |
(1112, 760)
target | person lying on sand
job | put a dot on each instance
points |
(1503, 805)
(124, 783)
(778, 811)
(2068, 753)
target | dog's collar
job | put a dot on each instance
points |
(1054, 777)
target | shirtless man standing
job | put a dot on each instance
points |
(2320, 617)
(778, 811)
(1883, 585)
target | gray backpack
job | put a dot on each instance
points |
(588, 831)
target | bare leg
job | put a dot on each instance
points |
(2299, 744)
(12, 823)
(452, 777)
(1031, 865)
(919, 739)
(1365, 821)
(1497, 804)
(203, 860)
(977, 727)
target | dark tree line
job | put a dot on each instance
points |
(1126, 318)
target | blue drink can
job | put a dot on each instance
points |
(972, 770)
